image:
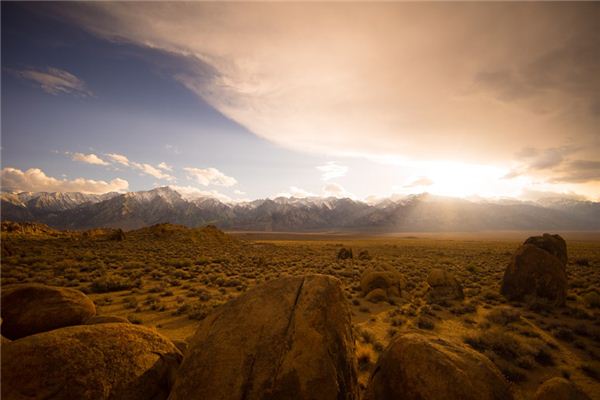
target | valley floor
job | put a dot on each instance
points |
(170, 277)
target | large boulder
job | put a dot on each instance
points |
(106, 319)
(553, 244)
(443, 286)
(104, 361)
(559, 389)
(534, 272)
(290, 338)
(423, 367)
(33, 308)
(391, 282)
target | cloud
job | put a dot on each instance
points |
(335, 190)
(165, 166)
(209, 176)
(55, 81)
(35, 180)
(119, 158)
(332, 170)
(142, 167)
(191, 192)
(152, 171)
(419, 182)
(579, 171)
(88, 158)
(239, 192)
(296, 192)
(330, 83)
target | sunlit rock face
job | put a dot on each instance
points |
(290, 338)
(90, 362)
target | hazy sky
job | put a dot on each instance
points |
(346, 99)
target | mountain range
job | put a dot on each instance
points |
(414, 213)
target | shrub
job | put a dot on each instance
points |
(113, 284)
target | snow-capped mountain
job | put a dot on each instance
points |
(421, 212)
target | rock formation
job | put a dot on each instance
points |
(32, 308)
(290, 338)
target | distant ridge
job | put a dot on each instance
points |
(413, 213)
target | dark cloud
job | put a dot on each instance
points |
(580, 171)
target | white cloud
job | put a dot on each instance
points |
(152, 171)
(335, 190)
(35, 180)
(55, 81)
(191, 192)
(332, 170)
(296, 192)
(209, 176)
(164, 166)
(419, 182)
(88, 158)
(142, 167)
(119, 158)
(239, 192)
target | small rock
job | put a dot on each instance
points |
(443, 286)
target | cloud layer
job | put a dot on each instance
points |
(460, 81)
(55, 81)
(35, 180)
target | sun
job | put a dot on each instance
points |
(457, 179)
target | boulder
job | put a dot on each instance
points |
(364, 255)
(376, 296)
(344, 253)
(290, 338)
(559, 389)
(105, 319)
(443, 286)
(534, 272)
(104, 361)
(33, 308)
(391, 282)
(423, 367)
(553, 244)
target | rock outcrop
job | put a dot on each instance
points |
(344, 254)
(443, 286)
(535, 273)
(423, 367)
(391, 282)
(553, 244)
(290, 338)
(105, 361)
(32, 308)
(559, 389)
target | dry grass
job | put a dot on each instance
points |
(171, 277)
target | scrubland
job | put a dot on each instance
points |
(171, 277)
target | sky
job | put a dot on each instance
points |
(251, 100)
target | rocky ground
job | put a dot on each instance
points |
(444, 292)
